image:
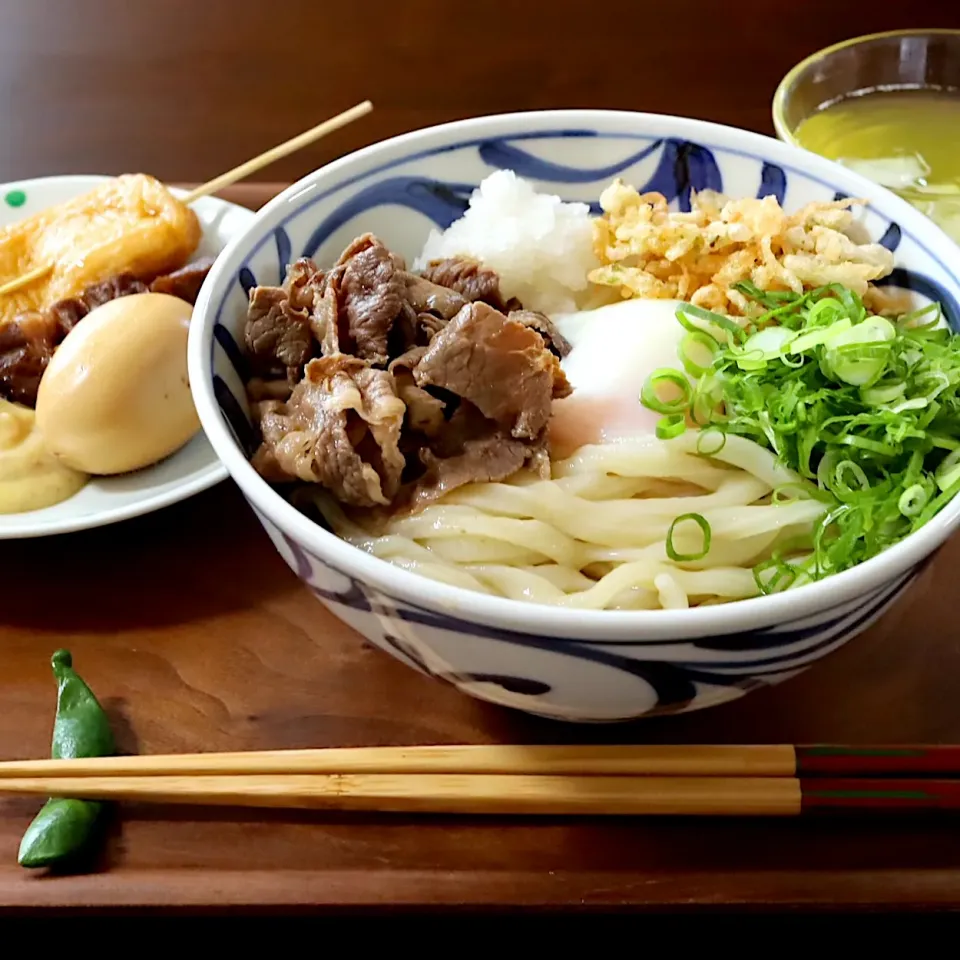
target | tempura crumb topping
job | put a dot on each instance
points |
(647, 250)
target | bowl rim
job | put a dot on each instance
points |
(778, 104)
(592, 626)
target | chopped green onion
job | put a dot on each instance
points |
(788, 493)
(666, 377)
(910, 320)
(912, 500)
(882, 393)
(782, 575)
(696, 351)
(701, 522)
(871, 446)
(915, 403)
(817, 336)
(721, 324)
(948, 473)
(936, 504)
(840, 472)
(857, 364)
(719, 442)
(771, 299)
(865, 408)
(671, 426)
(764, 345)
(827, 469)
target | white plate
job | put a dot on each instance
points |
(191, 469)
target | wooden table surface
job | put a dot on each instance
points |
(196, 635)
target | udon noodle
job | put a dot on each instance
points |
(594, 536)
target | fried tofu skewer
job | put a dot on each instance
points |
(130, 224)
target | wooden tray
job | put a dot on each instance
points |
(196, 635)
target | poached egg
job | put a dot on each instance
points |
(614, 349)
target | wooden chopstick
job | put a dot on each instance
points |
(782, 760)
(442, 793)
(460, 759)
(486, 794)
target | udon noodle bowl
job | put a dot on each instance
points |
(646, 409)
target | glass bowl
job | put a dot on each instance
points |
(901, 60)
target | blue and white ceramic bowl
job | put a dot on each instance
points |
(559, 663)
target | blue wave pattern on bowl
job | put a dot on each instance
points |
(548, 676)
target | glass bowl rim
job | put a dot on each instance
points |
(780, 95)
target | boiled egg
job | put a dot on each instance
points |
(614, 349)
(115, 396)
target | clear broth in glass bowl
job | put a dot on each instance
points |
(906, 140)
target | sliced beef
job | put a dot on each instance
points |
(304, 284)
(407, 361)
(282, 322)
(184, 283)
(277, 334)
(427, 297)
(425, 412)
(469, 278)
(412, 329)
(404, 333)
(372, 293)
(259, 389)
(325, 321)
(340, 428)
(472, 450)
(500, 365)
(555, 341)
(428, 326)
(465, 397)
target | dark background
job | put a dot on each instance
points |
(186, 88)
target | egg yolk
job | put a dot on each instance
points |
(614, 349)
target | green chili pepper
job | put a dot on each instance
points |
(81, 728)
(64, 828)
(61, 831)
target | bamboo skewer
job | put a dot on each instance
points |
(230, 177)
(25, 279)
(279, 152)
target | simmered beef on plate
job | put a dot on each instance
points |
(184, 283)
(407, 386)
(26, 346)
(28, 341)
